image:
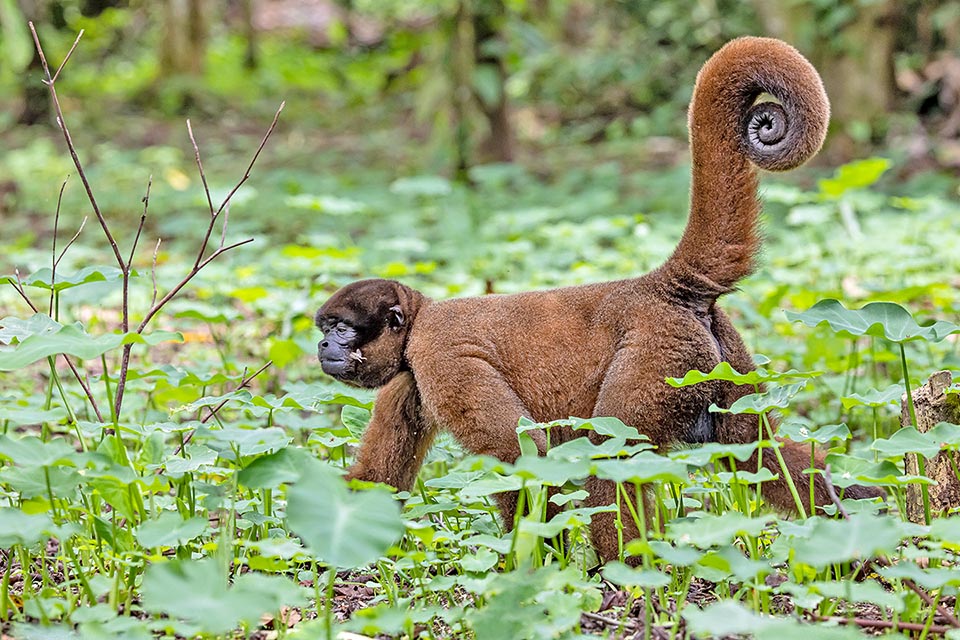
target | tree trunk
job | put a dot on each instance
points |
(488, 53)
(933, 406)
(250, 58)
(184, 42)
(36, 107)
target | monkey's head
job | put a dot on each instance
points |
(365, 327)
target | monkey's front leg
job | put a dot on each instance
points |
(396, 441)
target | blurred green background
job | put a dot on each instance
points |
(466, 145)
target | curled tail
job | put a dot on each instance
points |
(731, 134)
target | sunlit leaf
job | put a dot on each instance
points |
(854, 175)
(169, 530)
(879, 319)
(862, 536)
(709, 530)
(874, 397)
(755, 403)
(724, 371)
(73, 340)
(821, 435)
(906, 440)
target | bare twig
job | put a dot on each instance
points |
(832, 492)
(245, 382)
(153, 273)
(50, 82)
(125, 266)
(18, 287)
(246, 174)
(868, 623)
(198, 264)
(203, 176)
(143, 218)
(65, 58)
(613, 623)
(53, 250)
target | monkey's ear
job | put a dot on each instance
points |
(395, 318)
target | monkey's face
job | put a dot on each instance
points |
(364, 329)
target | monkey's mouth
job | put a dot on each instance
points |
(344, 369)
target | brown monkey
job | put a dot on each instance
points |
(474, 366)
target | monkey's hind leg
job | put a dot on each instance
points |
(396, 441)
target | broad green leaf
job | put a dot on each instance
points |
(19, 329)
(886, 320)
(676, 555)
(169, 530)
(710, 530)
(867, 591)
(821, 435)
(847, 470)
(41, 277)
(16, 527)
(931, 578)
(534, 605)
(906, 440)
(73, 340)
(196, 591)
(724, 618)
(346, 529)
(729, 617)
(30, 415)
(874, 397)
(554, 472)
(582, 448)
(274, 469)
(862, 536)
(755, 403)
(646, 466)
(31, 451)
(713, 451)
(945, 434)
(854, 175)
(342, 399)
(724, 371)
(480, 561)
(620, 574)
(606, 426)
(231, 440)
(326, 204)
(388, 619)
(15, 44)
(284, 352)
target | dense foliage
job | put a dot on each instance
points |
(180, 477)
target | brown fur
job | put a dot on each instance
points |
(475, 366)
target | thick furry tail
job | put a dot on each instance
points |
(735, 128)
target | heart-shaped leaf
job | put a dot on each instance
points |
(343, 528)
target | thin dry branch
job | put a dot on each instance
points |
(50, 81)
(203, 176)
(868, 623)
(246, 174)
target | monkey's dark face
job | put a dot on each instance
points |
(364, 327)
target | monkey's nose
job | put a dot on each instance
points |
(324, 344)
